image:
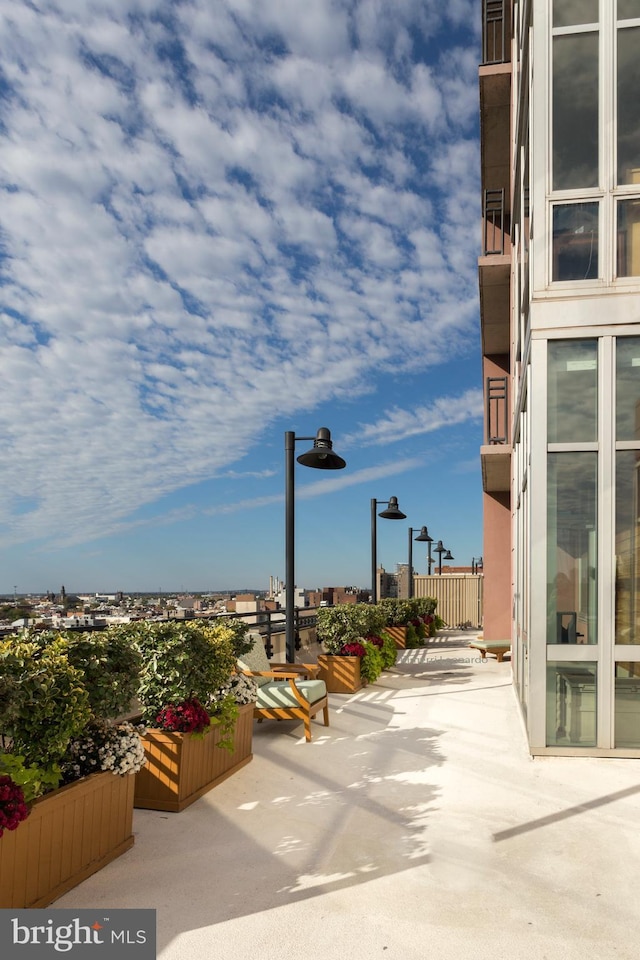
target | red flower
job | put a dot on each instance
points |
(376, 641)
(352, 650)
(13, 809)
(187, 717)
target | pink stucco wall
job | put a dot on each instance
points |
(497, 566)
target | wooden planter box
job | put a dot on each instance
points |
(70, 834)
(398, 635)
(182, 768)
(341, 674)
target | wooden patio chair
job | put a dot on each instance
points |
(286, 691)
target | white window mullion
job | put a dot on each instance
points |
(606, 543)
(538, 493)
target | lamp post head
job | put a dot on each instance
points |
(321, 456)
(393, 512)
(423, 536)
(439, 548)
(448, 555)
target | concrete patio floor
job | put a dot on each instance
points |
(416, 826)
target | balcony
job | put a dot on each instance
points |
(494, 274)
(496, 16)
(495, 454)
(495, 94)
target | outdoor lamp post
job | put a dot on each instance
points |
(476, 564)
(321, 457)
(423, 537)
(439, 549)
(392, 512)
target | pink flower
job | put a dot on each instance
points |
(376, 641)
(187, 717)
(13, 809)
(352, 650)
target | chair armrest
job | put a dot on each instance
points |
(308, 670)
(284, 674)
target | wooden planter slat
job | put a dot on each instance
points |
(70, 834)
(182, 768)
(341, 674)
(398, 635)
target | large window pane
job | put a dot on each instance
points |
(628, 105)
(627, 595)
(628, 388)
(575, 111)
(571, 704)
(628, 9)
(566, 13)
(627, 705)
(575, 241)
(572, 391)
(572, 575)
(628, 264)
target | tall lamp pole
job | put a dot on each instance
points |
(423, 537)
(440, 549)
(392, 512)
(321, 457)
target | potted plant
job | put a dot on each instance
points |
(57, 690)
(351, 636)
(199, 716)
(426, 611)
(397, 614)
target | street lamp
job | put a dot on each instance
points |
(321, 457)
(476, 564)
(393, 512)
(439, 549)
(423, 537)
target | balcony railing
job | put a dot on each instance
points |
(497, 410)
(494, 31)
(269, 622)
(494, 222)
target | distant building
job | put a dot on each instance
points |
(330, 596)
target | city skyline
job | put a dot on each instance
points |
(222, 222)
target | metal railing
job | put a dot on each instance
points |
(494, 31)
(270, 622)
(497, 410)
(494, 222)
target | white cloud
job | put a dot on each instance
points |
(213, 218)
(399, 424)
(328, 484)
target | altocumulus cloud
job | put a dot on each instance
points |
(203, 204)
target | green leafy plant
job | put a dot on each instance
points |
(412, 639)
(388, 651)
(347, 623)
(33, 780)
(182, 661)
(49, 704)
(397, 612)
(371, 664)
(109, 661)
(240, 635)
(224, 716)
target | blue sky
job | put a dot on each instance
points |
(222, 220)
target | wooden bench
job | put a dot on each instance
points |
(497, 647)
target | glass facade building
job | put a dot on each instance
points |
(560, 319)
